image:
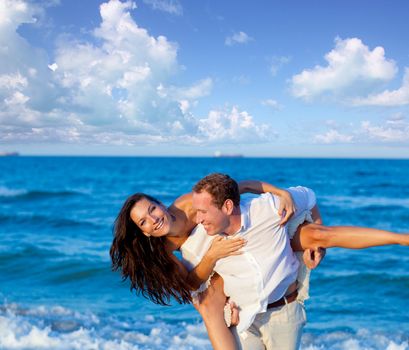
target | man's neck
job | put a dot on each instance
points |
(235, 222)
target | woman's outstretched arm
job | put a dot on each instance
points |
(312, 236)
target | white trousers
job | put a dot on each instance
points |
(278, 328)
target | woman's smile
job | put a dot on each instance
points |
(160, 224)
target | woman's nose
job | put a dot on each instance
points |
(154, 218)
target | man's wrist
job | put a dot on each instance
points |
(282, 193)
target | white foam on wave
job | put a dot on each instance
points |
(8, 192)
(43, 328)
(362, 339)
(59, 328)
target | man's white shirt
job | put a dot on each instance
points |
(268, 266)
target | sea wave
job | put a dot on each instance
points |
(26, 218)
(353, 202)
(362, 339)
(28, 250)
(9, 193)
(76, 254)
(60, 328)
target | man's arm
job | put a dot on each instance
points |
(286, 209)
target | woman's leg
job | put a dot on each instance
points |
(313, 236)
(211, 308)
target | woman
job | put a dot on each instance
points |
(147, 234)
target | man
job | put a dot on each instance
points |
(263, 280)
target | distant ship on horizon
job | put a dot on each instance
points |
(9, 154)
(219, 154)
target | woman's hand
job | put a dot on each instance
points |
(231, 313)
(287, 207)
(313, 257)
(221, 247)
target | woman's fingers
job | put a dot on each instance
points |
(235, 247)
(237, 244)
(222, 247)
(288, 212)
(234, 314)
(235, 253)
(286, 208)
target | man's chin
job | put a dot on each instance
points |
(211, 233)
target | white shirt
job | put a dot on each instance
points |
(267, 267)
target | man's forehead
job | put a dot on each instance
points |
(202, 195)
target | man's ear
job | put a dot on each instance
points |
(228, 207)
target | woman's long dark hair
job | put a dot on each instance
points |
(144, 260)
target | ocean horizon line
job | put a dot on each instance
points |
(227, 156)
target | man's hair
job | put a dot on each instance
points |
(221, 187)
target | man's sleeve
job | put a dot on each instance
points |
(304, 198)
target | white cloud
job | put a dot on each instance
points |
(200, 89)
(237, 38)
(350, 63)
(110, 89)
(271, 103)
(170, 6)
(15, 12)
(277, 63)
(25, 80)
(399, 97)
(234, 126)
(395, 129)
(122, 74)
(110, 83)
(12, 81)
(53, 66)
(16, 99)
(241, 79)
(333, 136)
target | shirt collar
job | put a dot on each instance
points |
(245, 218)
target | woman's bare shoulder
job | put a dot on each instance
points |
(183, 204)
(183, 209)
(184, 201)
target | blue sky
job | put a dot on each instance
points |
(170, 77)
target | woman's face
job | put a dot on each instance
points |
(152, 218)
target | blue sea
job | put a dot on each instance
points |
(57, 290)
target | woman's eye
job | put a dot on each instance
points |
(142, 223)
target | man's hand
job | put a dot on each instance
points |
(312, 258)
(287, 207)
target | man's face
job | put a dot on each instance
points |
(213, 219)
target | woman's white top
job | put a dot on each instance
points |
(268, 266)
